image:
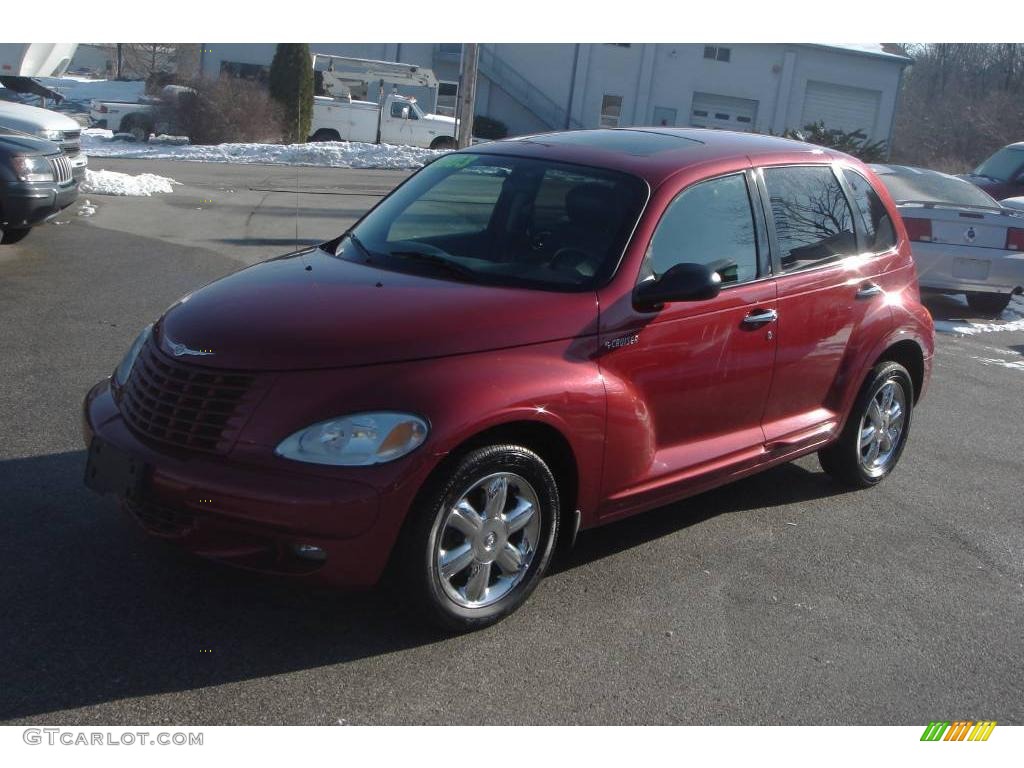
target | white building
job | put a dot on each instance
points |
(538, 87)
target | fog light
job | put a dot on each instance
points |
(309, 552)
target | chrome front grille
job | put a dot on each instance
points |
(71, 143)
(185, 405)
(62, 171)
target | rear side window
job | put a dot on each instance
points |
(709, 223)
(813, 220)
(877, 224)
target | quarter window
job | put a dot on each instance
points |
(877, 224)
(813, 220)
(709, 223)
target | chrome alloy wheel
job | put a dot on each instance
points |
(881, 428)
(488, 540)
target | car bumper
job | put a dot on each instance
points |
(26, 204)
(960, 269)
(247, 515)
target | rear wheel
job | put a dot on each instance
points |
(876, 430)
(444, 142)
(481, 539)
(326, 134)
(989, 303)
(138, 128)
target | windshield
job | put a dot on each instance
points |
(509, 221)
(929, 187)
(1004, 165)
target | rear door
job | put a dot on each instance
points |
(831, 296)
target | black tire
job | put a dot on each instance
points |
(140, 129)
(844, 459)
(11, 236)
(326, 134)
(989, 303)
(418, 576)
(444, 142)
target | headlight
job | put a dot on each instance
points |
(33, 168)
(356, 441)
(125, 368)
(51, 134)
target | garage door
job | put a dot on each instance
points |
(711, 110)
(841, 107)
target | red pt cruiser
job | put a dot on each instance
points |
(525, 339)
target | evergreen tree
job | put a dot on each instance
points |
(291, 86)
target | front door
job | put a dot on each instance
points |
(687, 384)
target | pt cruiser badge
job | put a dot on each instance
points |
(179, 350)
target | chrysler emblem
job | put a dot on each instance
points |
(970, 234)
(178, 350)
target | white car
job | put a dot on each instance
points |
(47, 124)
(963, 241)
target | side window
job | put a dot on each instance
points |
(398, 106)
(877, 224)
(813, 220)
(709, 223)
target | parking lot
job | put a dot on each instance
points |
(780, 599)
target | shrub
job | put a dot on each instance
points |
(291, 86)
(228, 109)
(851, 142)
(488, 128)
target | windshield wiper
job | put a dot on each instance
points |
(434, 260)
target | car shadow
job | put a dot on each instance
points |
(96, 611)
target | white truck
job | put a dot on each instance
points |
(151, 114)
(393, 119)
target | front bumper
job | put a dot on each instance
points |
(941, 267)
(251, 515)
(26, 204)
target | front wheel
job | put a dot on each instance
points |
(876, 430)
(989, 303)
(444, 142)
(481, 539)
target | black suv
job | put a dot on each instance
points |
(36, 183)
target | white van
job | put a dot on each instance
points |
(47, 124)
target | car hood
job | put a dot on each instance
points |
(311, 309)
(25, 117)
(19, 144)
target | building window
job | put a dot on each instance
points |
(447, 98)
(258, 72)
(611, 110)
(717, 53)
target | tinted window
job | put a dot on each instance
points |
(877, 224)
(708, 223)
(503, 221)
(813, 220)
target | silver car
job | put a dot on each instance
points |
(963, 241)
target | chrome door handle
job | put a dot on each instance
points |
(869, 291)
(761, 317)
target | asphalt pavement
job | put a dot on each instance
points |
(779, 599)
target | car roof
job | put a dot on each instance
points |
(656, 153)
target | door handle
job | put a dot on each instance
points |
(761, 317)
(869, 291)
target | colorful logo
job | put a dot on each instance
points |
(960, 730)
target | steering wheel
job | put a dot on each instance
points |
(573, 257)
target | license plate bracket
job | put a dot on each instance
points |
(108, 469)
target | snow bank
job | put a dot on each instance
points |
(1012, 319)
(113, 183)
(332, 154)
(81, 90)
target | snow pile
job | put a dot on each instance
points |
(113, 183)
(332, 154)
(82, 90)
(1012, 319)
(1013, 365)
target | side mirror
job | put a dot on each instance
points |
(405, 113)
(683, 282)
